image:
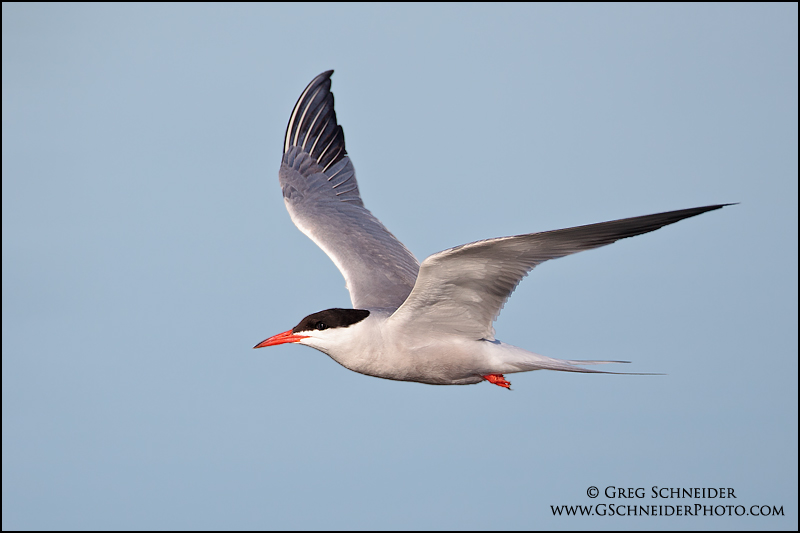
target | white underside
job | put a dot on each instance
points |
(373, 348)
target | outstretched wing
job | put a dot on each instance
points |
(321, 194)
(461, 291)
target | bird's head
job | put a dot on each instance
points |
(320, 330)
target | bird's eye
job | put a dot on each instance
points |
(320, 326)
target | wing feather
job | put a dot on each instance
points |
(461, 291)
(320, 190)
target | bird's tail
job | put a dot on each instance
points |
(571, 366)
(590, 362)
(524, 361)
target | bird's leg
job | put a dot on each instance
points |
(498, 380)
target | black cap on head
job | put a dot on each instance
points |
(331, 318)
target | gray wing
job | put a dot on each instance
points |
(321, 194)
(461, 291)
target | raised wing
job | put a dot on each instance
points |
(461, 291)
(321, 194)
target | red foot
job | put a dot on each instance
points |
(498, 380)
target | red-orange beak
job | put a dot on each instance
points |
(281, 338)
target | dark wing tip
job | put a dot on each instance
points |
(312, 124)
(630, 227)
(594, 235)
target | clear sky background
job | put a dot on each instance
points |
(146, 249)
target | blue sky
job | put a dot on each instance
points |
(146, 249)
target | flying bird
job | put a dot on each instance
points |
(429, 322)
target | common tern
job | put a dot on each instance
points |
(430, 322)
